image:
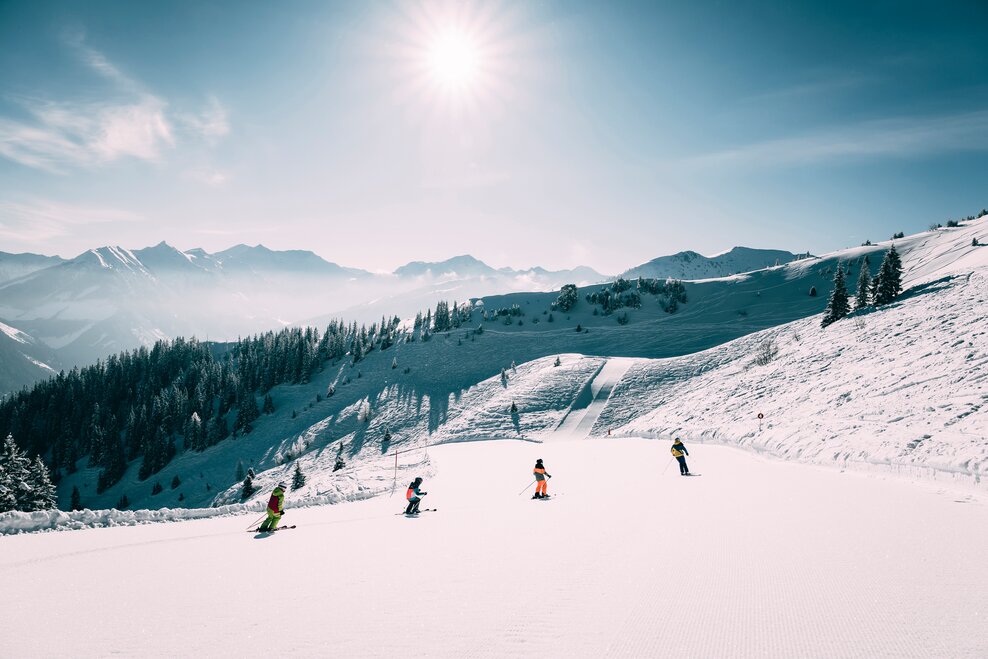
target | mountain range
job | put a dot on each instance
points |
(70, 312)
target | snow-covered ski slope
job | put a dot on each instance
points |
(823, 396)
(759, 558)
(901, 389)
(580, 419)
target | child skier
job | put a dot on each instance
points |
(276, 508)
(678, 451)
(541, 480)
(414, 496)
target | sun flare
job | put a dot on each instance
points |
(453, 59)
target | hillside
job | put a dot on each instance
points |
(452, 388)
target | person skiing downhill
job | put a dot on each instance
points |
(541, 480)
(678, 451)
(414, 496)
(276, 508)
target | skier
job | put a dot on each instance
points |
(678, 451)
(414, 496)
(541, 480)
(276, 508)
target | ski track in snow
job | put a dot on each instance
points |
(760, 558)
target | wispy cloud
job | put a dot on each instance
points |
(37, 221)
(211, 177)
(212, 123)
(59, 135)
(900, 137)
(98, 62)
(85, 135)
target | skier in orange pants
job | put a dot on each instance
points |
(541, 480)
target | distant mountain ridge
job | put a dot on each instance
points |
(691, 265)
(13, 266)
(111, 298)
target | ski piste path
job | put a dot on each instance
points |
(579, 421)
(759, 558)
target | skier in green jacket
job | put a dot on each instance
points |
(276, 508)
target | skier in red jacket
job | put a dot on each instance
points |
(276, 508)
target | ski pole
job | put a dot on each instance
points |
(526, 487)
(667, 466)
(259, 520)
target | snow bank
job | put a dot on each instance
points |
(340, 490)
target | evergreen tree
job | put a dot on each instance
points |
(888, 282)
(42, 493)
(557, 362)
(247, 413)
(339, 459)
(115, 464)
(248, 488)
(123, 503)
(863, 297)
(76, 501)
(514, 408)
(837, 305)
(268, 404)
(8, 498)
(298, 478)
(15, 477)
(812, 291)
(176, 482)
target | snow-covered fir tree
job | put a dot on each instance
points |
(888, 281)
(25, 485)
(863, 297)
(42, 492)
(837, 305)
(339, 459)
(248, 488)
(298, 478)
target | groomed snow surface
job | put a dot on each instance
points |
(755, 558)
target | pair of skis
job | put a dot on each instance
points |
(280, 528)
(421, 510)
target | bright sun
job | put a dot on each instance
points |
(453, 59)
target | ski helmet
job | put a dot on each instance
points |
(282, 485)
(418, 480)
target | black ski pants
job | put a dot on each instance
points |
(683, 469)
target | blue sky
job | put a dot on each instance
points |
(588, 133)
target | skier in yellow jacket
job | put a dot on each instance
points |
(678, 451)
